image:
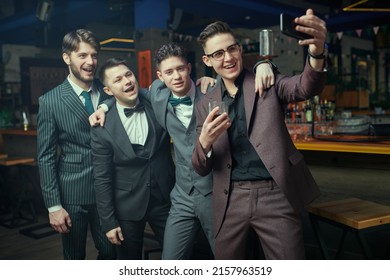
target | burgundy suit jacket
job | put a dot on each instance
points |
(269, 136)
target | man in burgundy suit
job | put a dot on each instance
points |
(261, 182)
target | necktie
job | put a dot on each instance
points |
(130, 111)
(176, 101)
(88, 102)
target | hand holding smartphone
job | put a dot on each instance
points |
(287, 26)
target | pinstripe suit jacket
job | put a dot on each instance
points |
(64, 149)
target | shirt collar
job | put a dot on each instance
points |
(238, 82)
(121, 107)
(78, 89)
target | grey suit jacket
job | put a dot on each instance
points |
(183, 139)
(66, 177)
(268, 135)
(124, 180)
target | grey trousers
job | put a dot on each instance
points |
(189, 213)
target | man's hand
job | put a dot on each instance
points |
(265, 78)
(60, 221)
(204, 83)
(212, 129)
(115, 236)
(97, 118)
(316, 27)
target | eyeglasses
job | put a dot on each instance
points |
(220, 54)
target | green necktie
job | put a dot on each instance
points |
(88, 102)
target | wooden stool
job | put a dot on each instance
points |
(355, 215)
(21, 195)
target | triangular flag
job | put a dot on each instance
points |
(339, 35)
(376, 29)
(359, 32)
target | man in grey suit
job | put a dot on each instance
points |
(173, 96)
(64, 151)
(133, 168)
(261, 182)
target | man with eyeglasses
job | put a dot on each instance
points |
(261, 182)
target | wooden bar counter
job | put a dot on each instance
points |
(347, 144)
(18, 142)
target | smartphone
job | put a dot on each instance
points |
(287, 26)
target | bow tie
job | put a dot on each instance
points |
(176, 101)
(130, 111)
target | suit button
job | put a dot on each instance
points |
(228, 165)
(225, 191)
(148, 185)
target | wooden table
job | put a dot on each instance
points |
(18, 142)
(351, 215)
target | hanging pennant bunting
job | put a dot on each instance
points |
(376, 29)
(339, 35)
(359, 32)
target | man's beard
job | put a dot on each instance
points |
(77, 74)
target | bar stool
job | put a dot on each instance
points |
(351, 215)
(17, 195)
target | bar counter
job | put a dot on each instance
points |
(18, 142)
(346, 144)
(340, 143)
(18, 131)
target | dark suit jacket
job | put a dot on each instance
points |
(123, 180)
(268, 135)
(63, 126)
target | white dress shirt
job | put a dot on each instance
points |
(184, 112)
(136, 125)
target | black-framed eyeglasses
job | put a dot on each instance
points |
(220, 54)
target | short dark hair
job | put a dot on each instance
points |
(168, 50)
(110, 63)
(213, 29)
(72, 39)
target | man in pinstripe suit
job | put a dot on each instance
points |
(64, 151)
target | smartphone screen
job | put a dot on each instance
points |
(287, 26)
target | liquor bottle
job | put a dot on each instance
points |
(309, 112)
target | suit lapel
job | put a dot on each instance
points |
(162, 99)
(154, 130)
(118, 133)
(249, 98)
(74, 104)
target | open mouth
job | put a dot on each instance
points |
(89, 70)
(230, 66)
(130, 88)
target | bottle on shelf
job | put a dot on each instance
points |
(25, 121)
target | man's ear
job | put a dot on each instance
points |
(107, 90)
(66, 58)
(159, 75)
(206, 60)
(189, 68)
